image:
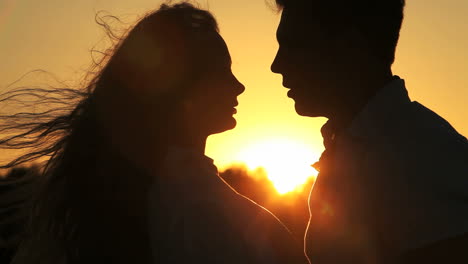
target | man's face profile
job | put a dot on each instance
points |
(309, 62)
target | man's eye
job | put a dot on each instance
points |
(293, 48)
(293, 44)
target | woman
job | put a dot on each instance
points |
(128, 181)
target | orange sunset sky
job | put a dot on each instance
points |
(432, 57)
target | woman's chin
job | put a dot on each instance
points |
(226, 125)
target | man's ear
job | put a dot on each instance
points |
(351, 42)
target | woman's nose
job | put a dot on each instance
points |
(239, 87)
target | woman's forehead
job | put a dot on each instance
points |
(210, 47)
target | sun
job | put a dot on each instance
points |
(286, 162)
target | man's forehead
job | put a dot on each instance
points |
(296, 22)
(287, 23)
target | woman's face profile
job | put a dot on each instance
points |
(211, 103)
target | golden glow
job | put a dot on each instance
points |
(431, 54)
(286, 162)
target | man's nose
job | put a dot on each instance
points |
(276, 65)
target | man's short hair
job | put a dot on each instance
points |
(378, 20)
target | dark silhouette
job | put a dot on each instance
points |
(127, 180)
(392, 186)
(17, 188)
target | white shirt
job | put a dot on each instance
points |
(398, 180)
(196, 217)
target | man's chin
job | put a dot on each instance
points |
(303, 110)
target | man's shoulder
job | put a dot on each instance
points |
(416, 139)
(407, 139)
(414, 125)
(427, 127)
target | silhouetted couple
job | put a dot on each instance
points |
(128, 181)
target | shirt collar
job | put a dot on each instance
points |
(384, 105)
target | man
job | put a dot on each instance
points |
(393, 182)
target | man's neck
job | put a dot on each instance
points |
(366, 88)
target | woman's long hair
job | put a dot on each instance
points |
(103, 143)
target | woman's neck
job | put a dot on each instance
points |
(194, 143)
